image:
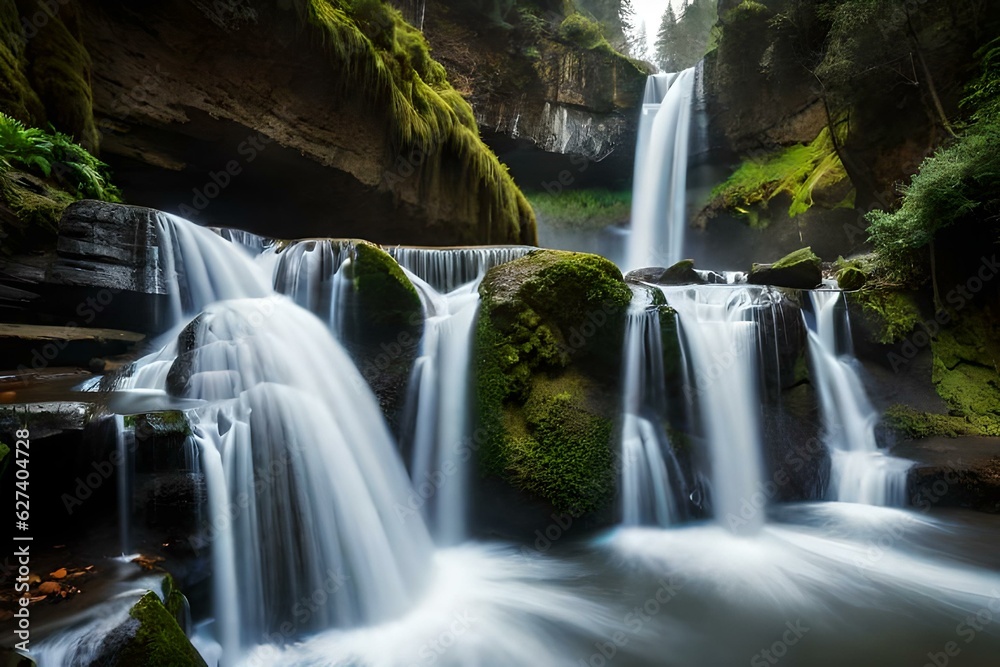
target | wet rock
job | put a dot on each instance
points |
(801, 269)
(851, 278)
(681, 273)
(150, 636)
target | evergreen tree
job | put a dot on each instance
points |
(665, 39)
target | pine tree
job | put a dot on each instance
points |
(665, 38)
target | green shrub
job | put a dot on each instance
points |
(582, 31)
(959, 184)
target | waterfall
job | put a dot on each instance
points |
(448, 269)
(650, 472)
(200, 267)
(861, 473)
(658, 198)
(722, 333)
(312, 274)
(303, 478)
(437, 423)
(438, 409)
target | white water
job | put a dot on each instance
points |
(658, 194)
(291, 440)
(439, 410)
(650, 473)
(313, 274)
(450, 268)
(861, 473)
(720, 329)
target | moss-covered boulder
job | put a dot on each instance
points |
(548, 354)
(851, 278)
(801, 269)
(886, 316)
(150, 636)
(384, 293)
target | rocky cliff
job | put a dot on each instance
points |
(313, 117)
(549, 91)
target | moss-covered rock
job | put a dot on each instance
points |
(30, 210)
(914, 424)
(151, 636)
(801, 269)
(851, 278)
(965, 370)
(384, 292)
(889, 314)
(548, 351)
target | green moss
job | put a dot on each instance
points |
(582, 209)
(797, 171)
(60, 71)
(388, 61)
(384, 292)
(965, 371)
(794, 258)
(17, 98)
(549, 335)
(892, 314)
(174, 601)
(916, 425)
(851, 278)
(4, 453)
(37, 209)
(560, 450)
(158, 640)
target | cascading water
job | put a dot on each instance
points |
(290, 440)
(437, 430)
(448, 269)
(661, 161)
(313, 274)
(721, 330)
(438, 409)
(651, 476)
(861, 472)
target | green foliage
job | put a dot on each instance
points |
(4, 453)
(797, 171)
(390, 64)
(892, 314)
(56, 156)
(582, 209)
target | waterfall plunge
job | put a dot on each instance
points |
(303, 478)
(658, 197)
(861, 472)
